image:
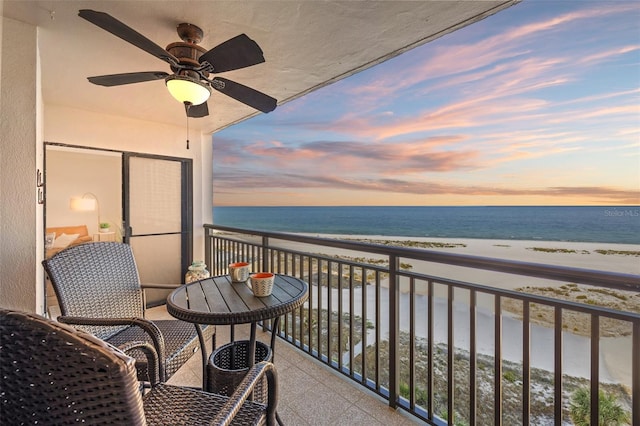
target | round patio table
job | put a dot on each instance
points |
(218, 301)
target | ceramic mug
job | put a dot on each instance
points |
(239, 272)
(262, 283)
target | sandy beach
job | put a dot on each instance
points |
(621, 258)
(573, 254)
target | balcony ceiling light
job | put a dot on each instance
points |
(187, 90)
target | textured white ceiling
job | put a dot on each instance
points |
(306, 44)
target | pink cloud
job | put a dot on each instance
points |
(242, 182)
(350, 157)
(459, 115)
(455, 61)
(602, 56)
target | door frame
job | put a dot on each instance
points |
(186, 190)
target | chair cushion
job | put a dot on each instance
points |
(180, 339)
(171, 405)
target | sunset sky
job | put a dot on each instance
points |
(537, 105)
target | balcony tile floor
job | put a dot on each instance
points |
(309, 392)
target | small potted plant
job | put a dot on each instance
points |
(104, 227)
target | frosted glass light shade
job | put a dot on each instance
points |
(187, 90)
(83, 204)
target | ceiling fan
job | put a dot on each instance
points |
(191, 65)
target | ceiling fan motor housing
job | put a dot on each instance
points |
(187, 51)
(188, 55)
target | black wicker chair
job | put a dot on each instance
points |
(54, 374)
(99, 290)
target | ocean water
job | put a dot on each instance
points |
(617, 224)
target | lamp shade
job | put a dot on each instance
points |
(187, 90)
(83, 204)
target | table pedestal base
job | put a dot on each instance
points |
(229, 364)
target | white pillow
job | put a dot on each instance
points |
(64, 240)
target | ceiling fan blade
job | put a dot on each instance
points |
(244, 94)
(235, 53)
(127, 78)
(128, 34)
(197, 111)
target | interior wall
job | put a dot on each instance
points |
(72, 174)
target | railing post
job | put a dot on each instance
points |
(394, 329)
(635, 372)
(207, 250)
(595, 369)
(265, 254)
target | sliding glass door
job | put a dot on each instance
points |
(158, 221)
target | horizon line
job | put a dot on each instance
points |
(455, 205)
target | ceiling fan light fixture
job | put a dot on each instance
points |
(187, 90)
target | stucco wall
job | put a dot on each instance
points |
(20, 249)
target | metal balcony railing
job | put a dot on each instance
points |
(447, 350)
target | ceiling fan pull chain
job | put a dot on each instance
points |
(188, 127)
